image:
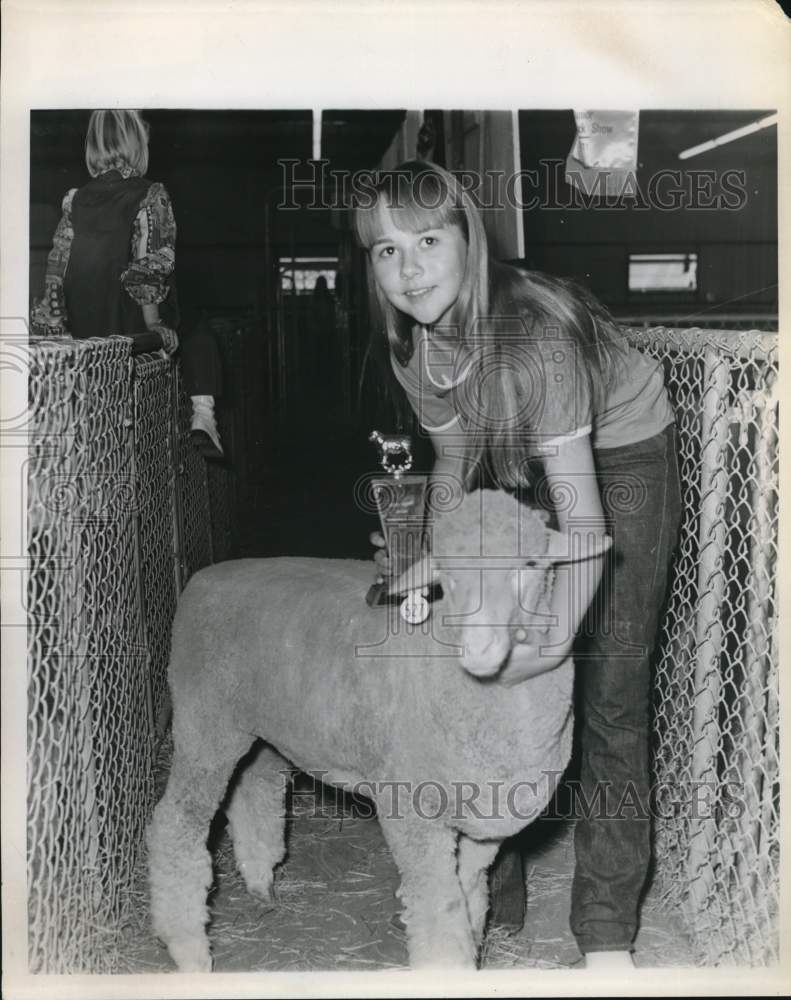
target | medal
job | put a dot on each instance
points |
(414, 608)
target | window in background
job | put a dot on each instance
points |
(298, 274)
(663, 272)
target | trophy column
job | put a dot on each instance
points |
(401, 503)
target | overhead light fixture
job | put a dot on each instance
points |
(728, 137)
(317, 133)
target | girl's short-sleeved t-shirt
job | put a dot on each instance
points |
(428, 380)
(553, 403)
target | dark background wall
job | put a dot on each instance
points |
(736, 247)
(290, 403)
(222, 173)
(221, 170)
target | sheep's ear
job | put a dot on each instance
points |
(560, 549)
(419, 574)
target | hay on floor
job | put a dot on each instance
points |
(335, 897)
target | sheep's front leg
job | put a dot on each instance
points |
(257, 820)
(475, 859)
(180, 871)
(435, 910)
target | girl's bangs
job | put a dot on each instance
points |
(410, 211)
(416, 217)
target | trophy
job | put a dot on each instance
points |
(400, 500)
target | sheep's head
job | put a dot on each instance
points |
(494, 558)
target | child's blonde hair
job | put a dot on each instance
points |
(419, 195)
(116, 140)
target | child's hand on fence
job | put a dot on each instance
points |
(169, 338)
(145, 343)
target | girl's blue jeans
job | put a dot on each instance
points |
(640, 491)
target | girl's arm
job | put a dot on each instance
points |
(150, 314)
(153, 249)
(153, 256)
(571, 477)
(49, 316)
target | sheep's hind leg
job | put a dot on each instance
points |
(435, 910)
(180, 869)
(257, 820)
(475, 859)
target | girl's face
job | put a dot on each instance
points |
(420, 273)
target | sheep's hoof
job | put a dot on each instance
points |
(262, 894)
(191, 956)
(259, 885)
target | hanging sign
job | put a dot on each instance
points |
(603, 160)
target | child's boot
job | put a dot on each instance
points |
(203, 429)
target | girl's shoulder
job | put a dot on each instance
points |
(68, 198)
(156, 194)
(549, 300)
(521, 289)
(528, 288)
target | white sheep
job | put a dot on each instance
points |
(286, 650)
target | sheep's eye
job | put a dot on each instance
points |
(531, 564)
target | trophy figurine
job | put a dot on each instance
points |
(400, 500)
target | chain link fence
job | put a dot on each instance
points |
(153, 453)
(716, 692)
(118, 518)
(122, 510)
